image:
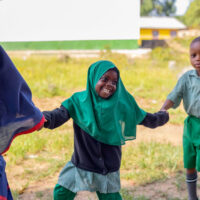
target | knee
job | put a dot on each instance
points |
(190, 171)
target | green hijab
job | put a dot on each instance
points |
(111, 121)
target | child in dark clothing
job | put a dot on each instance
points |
(104, 116)
(188, 89)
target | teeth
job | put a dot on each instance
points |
(106, 91)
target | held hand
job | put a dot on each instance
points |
(165, 116)
(163, 110)
(41, 127)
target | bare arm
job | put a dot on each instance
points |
(167, 105)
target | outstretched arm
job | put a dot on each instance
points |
(154, 120)
(167, 105)
(56, 117)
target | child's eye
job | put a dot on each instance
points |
(114, 82)
(193, 55)
(104, 79)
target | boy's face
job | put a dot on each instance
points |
(195, 56)
(107, 84)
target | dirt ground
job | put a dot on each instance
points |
(172, 188)
(169, 189)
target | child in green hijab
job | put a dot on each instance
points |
(105, 115)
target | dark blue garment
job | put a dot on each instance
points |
(89, 154)
(18, 114)
(5, 193)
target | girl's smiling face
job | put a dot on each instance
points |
(107, 84)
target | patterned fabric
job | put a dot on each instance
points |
(187, 88)
(18, 114)
(76, 179)
(5, 193)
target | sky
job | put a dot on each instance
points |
(181, 6)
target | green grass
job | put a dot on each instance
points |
(142, 163)
(149, 162)
(149, 79)
(127, 195)
(69, 45)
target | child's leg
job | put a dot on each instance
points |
(190, 157)
(109, 196)
(191, 179)
(61, 193)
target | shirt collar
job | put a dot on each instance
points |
(193, 73)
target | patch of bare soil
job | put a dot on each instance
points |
(169, 189)
(172, 188)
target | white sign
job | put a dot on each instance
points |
(54, 20)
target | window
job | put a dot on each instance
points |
(155, 34)
(173, 33)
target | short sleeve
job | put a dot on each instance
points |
(177, 93)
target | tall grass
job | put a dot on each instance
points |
(149, 79)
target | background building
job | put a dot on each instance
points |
(71, 24)
(155, 30)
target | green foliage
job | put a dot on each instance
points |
(192, 16)
(164, 55)
(146, 7)
(157, 7)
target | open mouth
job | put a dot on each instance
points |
(107, 92)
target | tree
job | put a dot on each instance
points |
(146, 7)
(192, 15)
(157, 7)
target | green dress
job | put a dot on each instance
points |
(111, 121)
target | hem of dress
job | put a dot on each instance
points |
(36, 127)
(75, 191)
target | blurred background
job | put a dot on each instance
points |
(53, 43)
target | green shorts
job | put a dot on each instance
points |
(191, 143)
(61, 193)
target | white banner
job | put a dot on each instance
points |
(49, 20)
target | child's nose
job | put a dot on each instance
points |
(109, 84)
(198, 56)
